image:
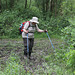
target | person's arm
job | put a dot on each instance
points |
(25, 27)
(40, 30)
(26, 31)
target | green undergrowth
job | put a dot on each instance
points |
(44, 35)
(55, 62)
(13, 66)
(36, 35)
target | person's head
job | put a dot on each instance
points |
(34, 20)
(34, 23)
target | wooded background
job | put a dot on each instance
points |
(53, 15)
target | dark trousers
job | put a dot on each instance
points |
(30, 45)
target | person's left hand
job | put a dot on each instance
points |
(45, 31)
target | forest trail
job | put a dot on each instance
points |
(42, 48)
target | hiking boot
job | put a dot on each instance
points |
(30, 58)
(25, 57)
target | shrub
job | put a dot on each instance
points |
(68, 33)
(71, 60)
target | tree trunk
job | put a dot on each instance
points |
(43, 6)
(47, 5)
(30, 4)
(51, 5)
(11, 3)
(25, 4)
(6, 4)
(55, 8)
(44, 10)
(37, 3)
(0, 6)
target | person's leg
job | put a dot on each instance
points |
(25, 46)
(31, 45)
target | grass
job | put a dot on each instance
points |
(36, 35)
(46, 61)
(13, 67)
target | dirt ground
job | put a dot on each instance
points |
(42, 47)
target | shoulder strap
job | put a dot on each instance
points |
(29, 24)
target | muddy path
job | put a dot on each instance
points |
(42, 48)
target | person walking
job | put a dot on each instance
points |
(29, 28)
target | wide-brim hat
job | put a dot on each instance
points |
(34, 19)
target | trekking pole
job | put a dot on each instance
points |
(27, 47)
(50, 40)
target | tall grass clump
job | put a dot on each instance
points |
(13, 66)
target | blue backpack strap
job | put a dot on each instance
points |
(21, 25)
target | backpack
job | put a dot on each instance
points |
(22, 26)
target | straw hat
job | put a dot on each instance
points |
(34, 19)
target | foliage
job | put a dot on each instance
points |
(13, 16)
(70, 60)
(68, 33)
(69, 39)
(10, 23)
(55, 64)
(68, 8)
(13, 66)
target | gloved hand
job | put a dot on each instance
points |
(45, 31)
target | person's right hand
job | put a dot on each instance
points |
(26, 31)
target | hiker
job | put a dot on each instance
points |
(29, 28)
